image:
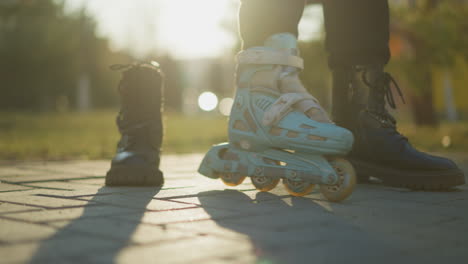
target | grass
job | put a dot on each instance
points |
(58, 136)
(94, 135)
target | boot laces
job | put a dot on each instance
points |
(382, 89)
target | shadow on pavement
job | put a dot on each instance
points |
(93, 234)
(285, 229)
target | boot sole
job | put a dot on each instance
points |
(134, 176)
(414, 180)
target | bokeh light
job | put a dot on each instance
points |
(446, 141)
(207, 101)
(225, 106)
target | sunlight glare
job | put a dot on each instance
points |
(207, 101)
(194, 28)
(185, 29)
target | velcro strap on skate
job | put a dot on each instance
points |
(308, 103)
(270, 57)
(281, 107)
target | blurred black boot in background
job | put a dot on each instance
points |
(136, 162)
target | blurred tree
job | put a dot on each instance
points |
(436, 34)
(172, 85)
(44, 52)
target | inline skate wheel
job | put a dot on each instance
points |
(264, 183)
(298, 187)
(346, 181)
(231, 179)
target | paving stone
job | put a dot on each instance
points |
(365, 192)
(94, 168)
(94, 182)
(14, 231)
(391, 223)
(124, 231)
(449, 208)
(209, 228)
(170, 193)
(138, 202)
(190, 181)
(296, 204)
(17, 253)
(281, 220)
(453, 206)
(65, 185)
(10, 208)
(42, 201)
(182, 251)
(318, 231)
(78, 193)
(427, 197)
(233, 258)
(183, 215)
(337, 249)
(194, 219)
(5, 187)
(70, 214)
(245, 195)
(46, 176)
(190, 162)
(242, 204)
(37, 171)
(80, 168)
(20, 193)
(64, 247)
(12, 171)
(445, 232)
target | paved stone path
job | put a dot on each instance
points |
(60, 212)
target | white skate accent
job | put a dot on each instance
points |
(285, 104)
(281, 107)
(261, 55)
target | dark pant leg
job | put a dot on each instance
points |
(259, 19)
(357, 32)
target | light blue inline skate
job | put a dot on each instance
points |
(277, 130)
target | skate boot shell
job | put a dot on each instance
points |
(136, 162)
(277, 130)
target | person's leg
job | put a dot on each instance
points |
(260, 19)
(357, 42)
(357, 35)
(357, 32)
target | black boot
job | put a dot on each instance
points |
(360, 94)
(140, 124)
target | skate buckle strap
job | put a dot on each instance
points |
(269, 57)
(308, 102)
(281, 107)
